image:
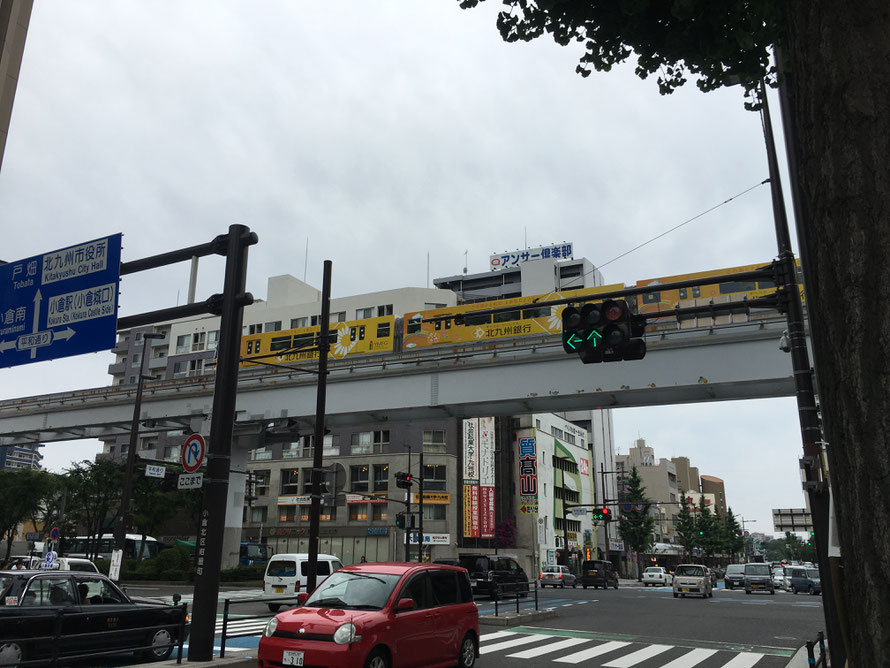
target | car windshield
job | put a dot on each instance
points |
(551, 569)
(354, 590)
(693, 571)
(756, 569)
(653, 570)
(735, 568)
(779, 571)
(813, 573)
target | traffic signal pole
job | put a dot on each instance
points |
(408, 513)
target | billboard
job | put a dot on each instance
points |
(528, 476)
(478, 478)
(561, 251)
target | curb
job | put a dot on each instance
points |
(513, 619)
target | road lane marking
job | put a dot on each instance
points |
(547, 649)
(585, 654)
(638, 657)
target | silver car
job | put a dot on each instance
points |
(692, 579)
(557, 576)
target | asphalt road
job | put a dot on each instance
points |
(631, 627)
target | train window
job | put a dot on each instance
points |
(684, 292)
(413, 325)
(382, 330)
(763, 284)
(540, 312)
(651, 297)
(304, 340)
(736, 286)
(332, 337)
(481, 319)
(507, 316)
(279, 343)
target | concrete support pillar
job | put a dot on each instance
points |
(234, 508)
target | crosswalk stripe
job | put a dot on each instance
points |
(547, 649)
(516, 642)
(638, 657)
(585, 654)
(691, 659)
(744, 660)
(497, 634)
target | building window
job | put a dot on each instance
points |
(259, 514)
(339, 316)
(255, 329)
(137, 359)
(287, 513)
(196, 367)
(556, 432)
(171, 452)
(362, 313)
(291, 450)
(434, 441)
(361, 443)
(384, 310)
(148, 443)
(261, 482)
(299, 323)
(378, 511)
(381, 441)
(331, 445)
(434, 512)
(199, 340)
(381, 477)
(212, 339)
(429, 306)
(274, 326)
(182, 344)
(358, 478)
(434, 477)
(537, 424)
(290, 481)
(358, 511)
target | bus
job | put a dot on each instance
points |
(86, 546)
(254, 553)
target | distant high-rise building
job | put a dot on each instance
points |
(14, 457)
(687, 476)
(713, 485)
(15, 15)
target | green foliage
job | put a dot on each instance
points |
(94, 493)
(718, 43)
(687, 535)
(243, 573)
(21, 494)
(635, 528)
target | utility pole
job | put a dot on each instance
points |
(323, 348)
(605, 520)
(409, 524)
(420, 512)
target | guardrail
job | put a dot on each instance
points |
(811, 654)
(57, 639)
(514, 590)
(227, 603)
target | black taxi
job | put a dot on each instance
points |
(46, 614)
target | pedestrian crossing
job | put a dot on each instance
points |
(241, 627)
(593, 649)
(233, 595)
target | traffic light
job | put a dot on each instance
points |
(602, 514)
(810, 539)
(404, 480)
(400, 520)
(603, 332)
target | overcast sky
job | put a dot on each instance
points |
(396, 139)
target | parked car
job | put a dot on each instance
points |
(557, 576)
(87, 605)
(734, 576)
(657, 577)
(758, 578)
(367, 614)
(805, 579)
(692, 579)
(286, 574)
(494, 574)
(596, 573)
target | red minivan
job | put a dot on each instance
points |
(378, 616)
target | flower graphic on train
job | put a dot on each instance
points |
(343, 344)
(479, 333)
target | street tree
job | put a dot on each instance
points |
(686, 534)
(635, 527)
(709, 529)
(21, 493)
(94, 490)
(733, 535)
(835, 80)
(152, 507)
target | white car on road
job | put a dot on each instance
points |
(657, 577)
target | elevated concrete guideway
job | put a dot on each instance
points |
(727, 362)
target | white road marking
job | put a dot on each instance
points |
(690, 659)
(547, 649)
(638, 657)
(585, 654)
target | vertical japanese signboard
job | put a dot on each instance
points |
(60, 303)
(528, 476)
(471, 477)
(486, 477)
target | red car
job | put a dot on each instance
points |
(383, 615)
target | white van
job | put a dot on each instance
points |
(286, 574)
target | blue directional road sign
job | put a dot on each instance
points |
(61, 303)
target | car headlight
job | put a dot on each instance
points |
(345, 633)
(271, 625)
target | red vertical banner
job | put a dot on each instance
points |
(474, 512)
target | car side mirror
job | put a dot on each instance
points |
(302, 597)
(405, 604)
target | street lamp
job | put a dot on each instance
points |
(744, 532)
(124, 519)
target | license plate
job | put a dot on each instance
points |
(685, 591)
(755, 586)
(292, 658)
(280, 590)
(591, 572)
